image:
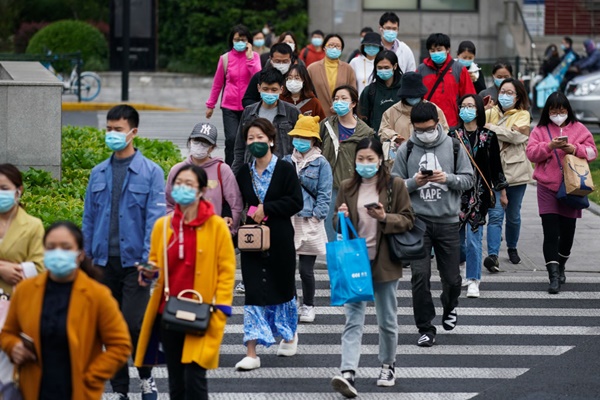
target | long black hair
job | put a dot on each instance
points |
(393, 59)
(480, 108)
(308, 89)
(556, 100)
(522, 102)
(86, 265)
(383, 175)
(198, 171)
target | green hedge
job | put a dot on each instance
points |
(68, 37)
(83, 148)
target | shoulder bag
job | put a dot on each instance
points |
(492, 194)
(254, 237)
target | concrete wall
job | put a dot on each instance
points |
(30, 116)
(347, 18)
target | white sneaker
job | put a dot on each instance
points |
(307, 313)
(473, 289)
(288, 349)
(248, 364)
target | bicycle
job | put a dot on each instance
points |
(90, 83)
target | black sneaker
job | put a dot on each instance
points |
(491, 263)
(449, 320)
(513, 256)
(387, 376)
(426, 340)
(345, 384)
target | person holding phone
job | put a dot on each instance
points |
(377, 205)
(64, 328)
(271, 186)
(557, 134)
(500, 71)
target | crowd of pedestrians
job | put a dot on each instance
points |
(382, 139)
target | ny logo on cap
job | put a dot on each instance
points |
(205, 129)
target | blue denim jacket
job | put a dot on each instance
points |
(317, 182)
(142, 203)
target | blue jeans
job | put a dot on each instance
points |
(470, 249)
(386, 308)
(513, 220)
(329, 229)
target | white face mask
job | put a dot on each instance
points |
(559, 119)
(283, 68)
(428, 137)
(292, 45)
(294, 86)
(200, 150)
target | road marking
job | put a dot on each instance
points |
(312, 396)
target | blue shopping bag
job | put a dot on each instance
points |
(349, 267)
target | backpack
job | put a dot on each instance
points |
(455, 149)
(225, 58)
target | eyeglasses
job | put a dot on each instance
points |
(427, 131)
(469, 106)
(558, 112)
(240, 40)
(281, 61)
(334, 46)
(508, 92)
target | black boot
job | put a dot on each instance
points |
(562, 260)
(553, 275)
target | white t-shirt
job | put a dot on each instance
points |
(363, 68)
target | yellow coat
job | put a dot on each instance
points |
(215, 277)
(93, 320)
(23, 243)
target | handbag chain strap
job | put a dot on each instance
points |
(475, 164)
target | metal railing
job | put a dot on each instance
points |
(516, 17)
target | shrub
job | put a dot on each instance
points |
(83, 148)
(68, 37)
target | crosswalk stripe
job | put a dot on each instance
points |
(313, 396)
(469, 350)
(460, 330)
(319, 373)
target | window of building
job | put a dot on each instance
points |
(424, 5)
(390, 4)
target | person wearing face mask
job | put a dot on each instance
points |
(446, 80)
(545, 148)
(314, 173)
(272, 192)
(331, 72)
(466, 56)
(389, 24)
(222, 190)
(484, 151)
(358, 52)
(300, 91)
(382, 93)
(234, 72)
(363, 63)
(500, 71)
(258, 43)
(79, 335)
(340, 134)
(289, 39)
(124, 197)
(395, 125)
(198, 244)
(314, 51)
(279, 113)
(437, 171)
(510, 120)
(389, 212)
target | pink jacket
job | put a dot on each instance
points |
(239, 72)
(547, 171)
(218, 190)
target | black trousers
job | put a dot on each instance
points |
(445, 240)
(186, 381)
(559, 233)
(231, 122)
(132, 299)
(306, 266)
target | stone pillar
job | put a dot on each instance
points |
(30, 116)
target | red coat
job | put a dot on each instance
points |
(456, 83)
(310, 55)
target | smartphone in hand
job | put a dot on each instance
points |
(563, 139)
(486, 100)
(28, 343)
(372, 205)
(427, 172)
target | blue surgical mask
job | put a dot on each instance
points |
(506, 101)
(498, 81)
(390, 35)
(184, 195)
(371, 50)
(367, 170)
(333, 54)
(258, 43)
(341, 107)
(413, 100)
(563, 47)
(317, 41)
(116, 141)
(385, 74)
(269, 98)
(7, 200)
(467, 114)
(60, 262)
(438, 57)
(466, 63)
(239, 46)
(302, 145)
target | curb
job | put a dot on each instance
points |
(75, 106)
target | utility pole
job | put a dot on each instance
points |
(125, 52)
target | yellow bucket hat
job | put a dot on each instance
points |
(306, 127)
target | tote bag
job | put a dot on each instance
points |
(349, 267)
